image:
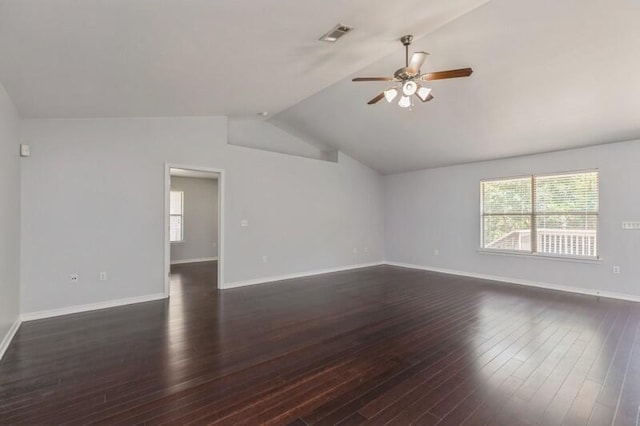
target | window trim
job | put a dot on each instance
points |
(546, 256)
(181, 215)
(532, 252)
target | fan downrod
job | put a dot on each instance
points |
(406, 42)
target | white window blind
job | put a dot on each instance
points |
(550, 214)
(567, 214)
(176, 216)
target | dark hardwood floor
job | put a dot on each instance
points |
(380, 345)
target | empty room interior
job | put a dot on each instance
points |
(320, 212)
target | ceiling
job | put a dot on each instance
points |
(124, 58)
(548, 74)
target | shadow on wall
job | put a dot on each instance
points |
(260, 134)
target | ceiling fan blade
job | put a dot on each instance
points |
(441, 75)
(376, 99)
(373, 79)
(417, 59)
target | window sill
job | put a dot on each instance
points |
(177, 243)
(574, 259)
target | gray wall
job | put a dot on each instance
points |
(9, 214)
(439, 209)
(94, 186)
(200, 218)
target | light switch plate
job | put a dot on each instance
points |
(25, 150)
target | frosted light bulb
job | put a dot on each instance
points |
(390, 94)
(423, 93)
(409, 88)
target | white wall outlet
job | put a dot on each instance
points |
(436, 252)
(355, 250)
(74, 278)
(244, 223)
(366, 249)
(265, 259)
(103, 276)
(616, 269)
(631, 226)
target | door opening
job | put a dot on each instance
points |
(193, 224)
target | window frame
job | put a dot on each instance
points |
(181, 215)
(532, 217)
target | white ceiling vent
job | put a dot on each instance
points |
(335, 33)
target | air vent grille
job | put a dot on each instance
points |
(335, 33)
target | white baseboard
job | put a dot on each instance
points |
(9, 336)
(31, 316)
(297, 275)
(128, 301)
(197, 259)
(548, 286)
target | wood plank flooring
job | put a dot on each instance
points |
(374, 346)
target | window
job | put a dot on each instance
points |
(176, 216)
(547, 214)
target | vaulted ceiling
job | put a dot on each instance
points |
(548, 74)
(115, 58)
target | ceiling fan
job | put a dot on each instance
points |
(410, 79)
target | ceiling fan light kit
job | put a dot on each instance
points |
(408, 77)
(423, 93)
(405, 102)
(390, 94)
(409, 88)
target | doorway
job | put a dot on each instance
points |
(194, 198)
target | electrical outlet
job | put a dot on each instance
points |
(244, 223)
(631, 225)
(265, 259)
(355, 250)
(103, 276)
(616, 269)
(436, 252)
(366, 249)
(74, 278)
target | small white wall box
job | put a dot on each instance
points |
(25, 150)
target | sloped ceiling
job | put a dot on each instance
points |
(128, 58)
(548, 74)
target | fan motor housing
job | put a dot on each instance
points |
(402, 74)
